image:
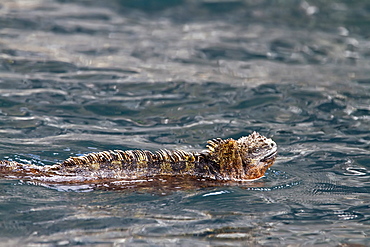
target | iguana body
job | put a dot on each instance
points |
(243, 159)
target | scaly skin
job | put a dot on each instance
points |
(236, 160)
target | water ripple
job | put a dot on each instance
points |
(77, 76)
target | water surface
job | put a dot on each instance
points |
(83, 76)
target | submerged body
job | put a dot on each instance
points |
(237, 160)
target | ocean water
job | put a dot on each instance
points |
(87, 76)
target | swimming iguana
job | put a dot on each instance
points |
(236, 160)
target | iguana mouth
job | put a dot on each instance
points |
(271, 155)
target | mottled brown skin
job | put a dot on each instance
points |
(225, 160)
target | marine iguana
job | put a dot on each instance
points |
(225, 160)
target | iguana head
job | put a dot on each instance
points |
(246, 158)
(258, 153)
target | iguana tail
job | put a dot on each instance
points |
(13, 169)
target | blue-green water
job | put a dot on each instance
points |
(84, 76)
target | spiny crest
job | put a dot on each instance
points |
(219, 149)
(110, 156)
(174, 156)
(255, 141)
(129, 156)
(214, 144)
(245, 142)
